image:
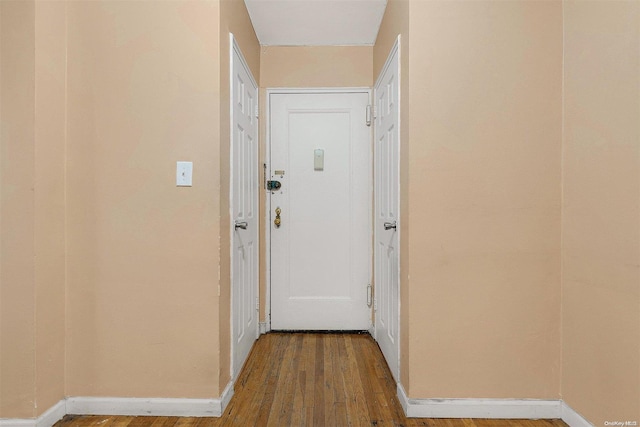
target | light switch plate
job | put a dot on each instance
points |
(184, 174)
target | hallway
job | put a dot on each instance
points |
(309, 380)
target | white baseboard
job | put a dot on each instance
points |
(53, 414)
(573, 418)
(136, 406)
(47, 419)
(227, 394)
(17, 422)
(127, 406)
(264, 327)
(479, 408)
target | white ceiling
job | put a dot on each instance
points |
(316, 22)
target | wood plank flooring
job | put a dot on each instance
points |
(309, 380)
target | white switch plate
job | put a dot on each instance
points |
(184, 173)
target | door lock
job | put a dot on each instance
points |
(277, 221)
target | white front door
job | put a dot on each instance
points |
(387, 177)
(321, 249)
(244, 209)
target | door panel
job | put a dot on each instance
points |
(387, 178)
(321, 252)
(244, 215)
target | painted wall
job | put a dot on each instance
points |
(601, 211)
(17, 268)
(49, 202)
(481, 272)
(143, 255)
(32, 207)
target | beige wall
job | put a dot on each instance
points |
(481, 270)
(316, 66)
(32, 200)
(143, 254)
(49, 201)
(88, 196)
(17, 309)
(601, 211)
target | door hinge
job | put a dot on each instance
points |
(369, 114)
(257, 111)
(257, 303)
(369, 300)
(375, 304)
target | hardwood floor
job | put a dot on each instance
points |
(309, 380)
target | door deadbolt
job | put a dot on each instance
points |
(277, 221)
(273, 185)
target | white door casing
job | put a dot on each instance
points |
(386, 210)
(320, 255)
(244, 209)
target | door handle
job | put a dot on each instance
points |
(241, 224)
(390, 225)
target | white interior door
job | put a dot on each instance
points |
(321, 250)
(387, 177)
(244, 209)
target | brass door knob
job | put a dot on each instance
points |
(277, 221)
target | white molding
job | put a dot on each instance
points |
(17, 422)
(53, 414)
(479, 408)
(227, 394)
(573, 418)
(136, 406)
(305, 90)
(264, 328)
(126, 406)
(47, 419)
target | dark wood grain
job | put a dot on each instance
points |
(309, 380)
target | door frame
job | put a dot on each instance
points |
(267, 164)
(234, 47)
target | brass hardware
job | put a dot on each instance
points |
(277, 221)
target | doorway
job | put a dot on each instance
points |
(319, 209)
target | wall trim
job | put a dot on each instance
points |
(264, 327)
(137, 406)
(573, 418)
(47, 419)
(227, 394)
(413, 408)
(479, 408)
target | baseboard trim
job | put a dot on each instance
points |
(47, 419)
(413, 408)
(573, 418)
(264, 327)
(135, 406)
(227, 394)
(479, 408)
(17, 422)
(53, 414)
